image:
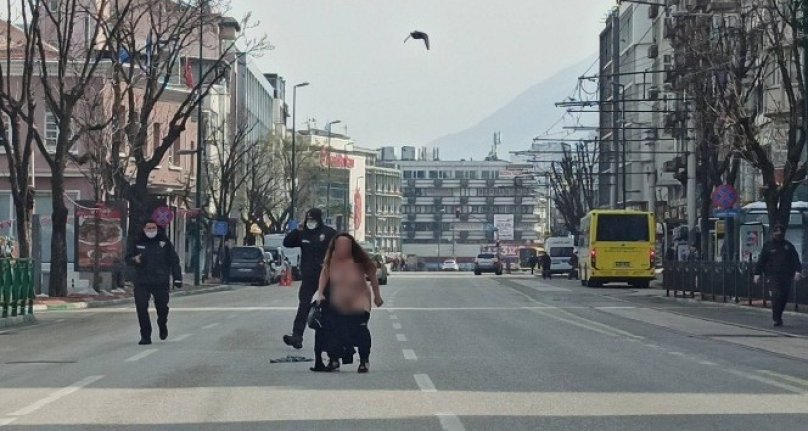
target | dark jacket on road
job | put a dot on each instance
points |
(313, 245)
(158, 261)
(778, 260)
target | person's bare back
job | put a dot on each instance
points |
(350, 292)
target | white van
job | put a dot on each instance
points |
(274, 242)
(561, 249)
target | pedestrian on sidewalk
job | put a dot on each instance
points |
(534, 260)
(346, 272)
(226, 261)
(313, 238)
(780, 264)
(156, 263)
(573, 266)
(546, 263)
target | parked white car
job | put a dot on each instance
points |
(449, 265)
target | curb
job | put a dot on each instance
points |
(111, 303)
(730, 304)
(8, 322)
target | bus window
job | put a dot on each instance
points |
(623, 227)
(561, 251)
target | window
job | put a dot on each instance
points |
(407, 174)
(561, 251)
(7, 124)
(622, 228)
(155, 139)
(51, 130)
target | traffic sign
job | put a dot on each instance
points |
(724, 196)
(221, 228)
(162, 216)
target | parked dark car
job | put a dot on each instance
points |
(249, 264)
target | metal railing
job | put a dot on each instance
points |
(16, 287)
(724, 282)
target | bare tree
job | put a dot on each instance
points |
(226, 174)
(17, 105)
(572, 184)
(308, 171)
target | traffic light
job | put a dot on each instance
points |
(457, 212)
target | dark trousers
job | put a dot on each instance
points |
(545, 273)
(142, 296)
(351, 330)
(532, 268)
(780, 289)
(304, 296)
(225, 273)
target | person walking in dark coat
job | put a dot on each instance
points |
(226, 261)
(313, 238)
(780, 264)
(546, 262)
(573, 266)
(156, 263)
(534, 260)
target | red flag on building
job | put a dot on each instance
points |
(188, 74)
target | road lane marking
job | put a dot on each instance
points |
(770, 382)
(232, 316)
(401, 337)
(141, 355)
(396, 326)
(8, 421)
(393, 317)
(181, 337)
(409, 355)
(212, 325)
(786, 377)
(424, 383)
(676, 353)
(61, 393)
(707, 363)
(450, 422)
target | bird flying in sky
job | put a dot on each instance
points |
(419, 35)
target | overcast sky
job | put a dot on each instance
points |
(484, 53)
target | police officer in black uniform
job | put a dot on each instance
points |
(780, 263)
(313, 238)
(156, 263)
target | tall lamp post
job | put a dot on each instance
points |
(294, 150)
(200, 153)
(356, 209)
(328, 185)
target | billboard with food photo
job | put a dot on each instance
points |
(106, 222)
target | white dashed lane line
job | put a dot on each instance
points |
(396, 325)
(401, 337)
(212, 325)
(181, 337)
(409, 355)
(393, 317)
(450, 422)
(140, 355)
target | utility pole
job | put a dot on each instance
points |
(328, 185)
(615, 105)
(690, 144)
(293, 197)
(623, 142)
(200, 153)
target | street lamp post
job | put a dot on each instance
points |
(356, 209)
(328, 185)
(294, 150)
(200, 136)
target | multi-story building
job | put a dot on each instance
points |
(637, 152)
(384, 206)
(450, 207)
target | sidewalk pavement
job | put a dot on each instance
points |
(118, 297)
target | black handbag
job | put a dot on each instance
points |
(316, 319)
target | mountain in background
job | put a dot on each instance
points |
(528, 115)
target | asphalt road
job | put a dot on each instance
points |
(450, 351)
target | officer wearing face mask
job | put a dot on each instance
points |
(313, 238)
(156, 263)
(780, 263)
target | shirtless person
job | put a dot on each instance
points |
(348, 268)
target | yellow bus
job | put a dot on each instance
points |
(617, 246)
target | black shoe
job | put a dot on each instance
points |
(144, 341)
(163, 332)
(363, 367)
(293, 341)
(333, 365)
(320, 368)
(778, 323)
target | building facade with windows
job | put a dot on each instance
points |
(449, 208)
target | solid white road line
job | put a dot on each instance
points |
(140, 355)
(770, 382)
(450, 422)
(212, 325)
(409, 355)
(401, 337)
(181, 337)
(424, 383)
(7, 421)
(792, 379)
(707, 363)
(396, 326)
(61, 393)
